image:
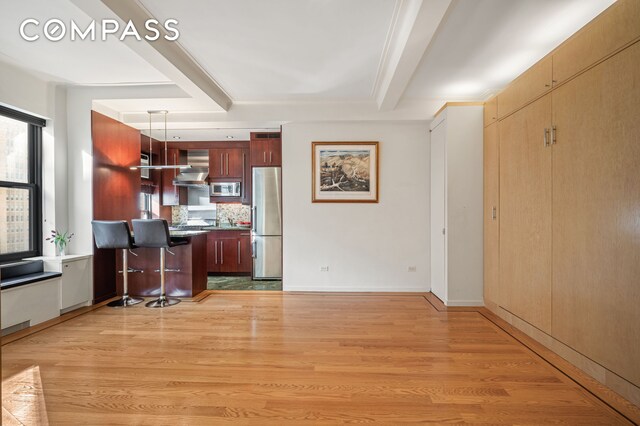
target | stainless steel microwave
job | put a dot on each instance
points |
(225, 189)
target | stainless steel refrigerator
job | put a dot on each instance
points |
(266, 223)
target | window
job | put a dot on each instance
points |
(20, 185)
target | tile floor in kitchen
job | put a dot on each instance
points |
(241, 283)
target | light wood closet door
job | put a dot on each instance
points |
(525, 214)
(596, 214)
(491, 214)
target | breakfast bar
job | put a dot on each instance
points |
(186, 266)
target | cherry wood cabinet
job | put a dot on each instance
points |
(173, 195)
(244, 176)
(229, 252)
(225, 163)
(266, 149)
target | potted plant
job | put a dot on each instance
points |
(60, 240)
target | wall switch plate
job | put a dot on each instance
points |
(412, 269)
(324, 269)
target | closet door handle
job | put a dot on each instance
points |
(546, 137)
(553, 135)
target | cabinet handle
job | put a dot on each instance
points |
(494, 213)
(215, 244)
(270, 157)
(546, 137)
(553, 135)
(221, 165)
(239, 255)
(227, 161)
(222, 252)
(244, 178)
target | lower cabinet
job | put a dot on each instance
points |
(229, 252)
(76, 284)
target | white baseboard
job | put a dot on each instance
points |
(354, 289)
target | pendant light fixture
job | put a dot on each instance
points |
(166, 164)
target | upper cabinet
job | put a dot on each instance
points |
(490, 111)
(532, 84)
(173, 195)
(266, 149)
(225, 163)
(609, 32)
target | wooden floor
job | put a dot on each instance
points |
(286, 359)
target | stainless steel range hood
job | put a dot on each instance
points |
(196, 175)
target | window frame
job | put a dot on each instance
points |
(34, 185)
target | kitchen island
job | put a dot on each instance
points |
(186, 274)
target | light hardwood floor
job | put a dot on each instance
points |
(286, 359)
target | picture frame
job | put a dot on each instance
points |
(344, 172)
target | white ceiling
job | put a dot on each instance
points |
(282, 60)
(485, 44)
(284, 49)
(87, 63)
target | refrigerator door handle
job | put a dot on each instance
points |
(253, 249)
(254, 217)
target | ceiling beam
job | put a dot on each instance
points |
(414, 26)
(168, 57)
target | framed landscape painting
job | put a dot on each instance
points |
(344, 172)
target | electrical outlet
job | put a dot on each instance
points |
(324, 269)
(412, 269)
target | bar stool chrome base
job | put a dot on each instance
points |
(125, 301)
(162, 301)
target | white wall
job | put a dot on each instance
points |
(26, 92)
(368, 247)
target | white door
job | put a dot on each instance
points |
(438, 211)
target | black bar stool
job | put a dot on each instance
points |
(116, 235)
(154, 233)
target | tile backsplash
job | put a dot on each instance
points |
(235, 212)
(179, 215)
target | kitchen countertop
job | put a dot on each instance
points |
(226, 228)
(186, 233)
(178, 233)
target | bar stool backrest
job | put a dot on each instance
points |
(112, 234)
(151, 233)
